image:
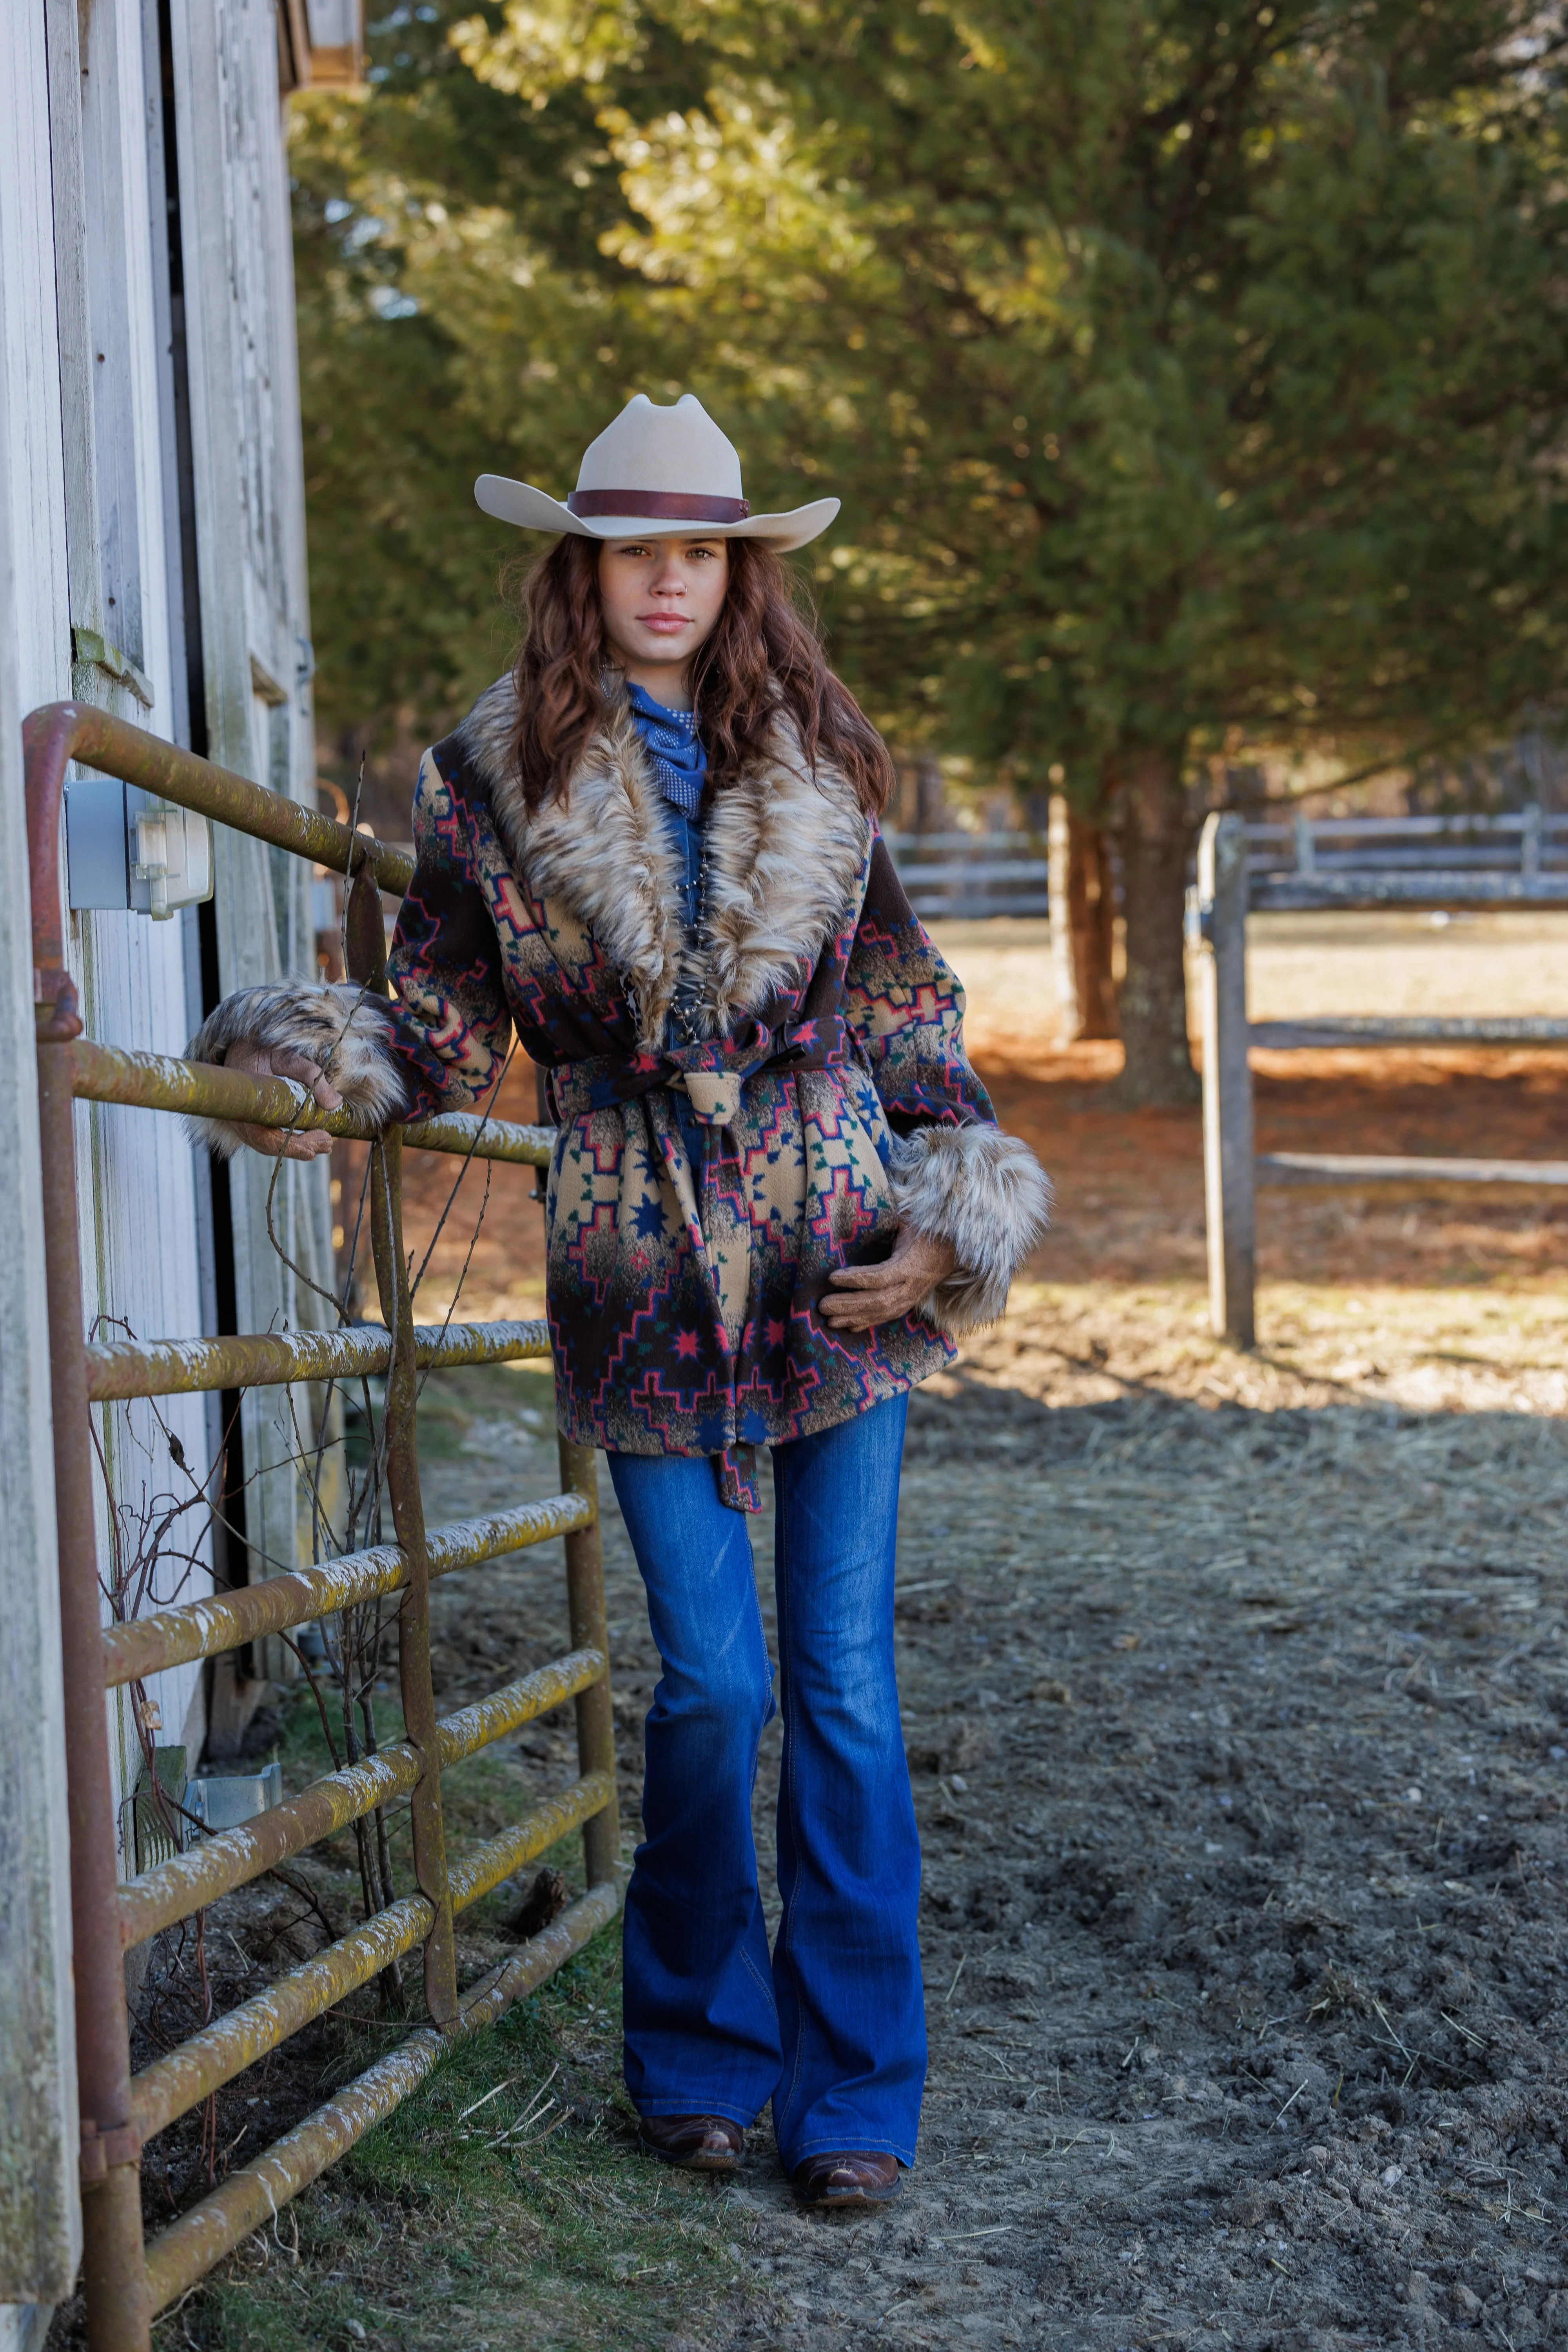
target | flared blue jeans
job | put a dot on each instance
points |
(830, 2026)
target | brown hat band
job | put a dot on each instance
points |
(658, 506)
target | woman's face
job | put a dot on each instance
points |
(661, 599)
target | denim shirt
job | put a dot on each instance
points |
(674, 745)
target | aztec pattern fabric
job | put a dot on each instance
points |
(832, 1081)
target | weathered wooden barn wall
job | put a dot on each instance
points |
(151, 560)
(248, 495)
(39, 2224)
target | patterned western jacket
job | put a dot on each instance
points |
(832, 1080)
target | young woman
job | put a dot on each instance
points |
(777, 1188)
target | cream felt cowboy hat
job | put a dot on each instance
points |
(655, 470)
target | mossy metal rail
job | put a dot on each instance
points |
(128, 2281)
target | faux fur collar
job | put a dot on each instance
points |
(785, 854)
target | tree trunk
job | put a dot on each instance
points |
(930, 800)
(1154, 1000)
(1082, 924)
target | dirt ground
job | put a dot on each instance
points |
(1236, 1694)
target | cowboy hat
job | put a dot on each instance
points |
(685, 473)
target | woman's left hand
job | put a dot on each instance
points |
(862, 1296)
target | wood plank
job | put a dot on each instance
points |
(248, 486)
(1406, 1029)
(1450, 887)
(1324, 1171)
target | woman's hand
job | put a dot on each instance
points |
(277, 1062)
(864, 1296)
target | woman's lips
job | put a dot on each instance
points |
(665, 625)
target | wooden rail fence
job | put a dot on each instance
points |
(1235, 878)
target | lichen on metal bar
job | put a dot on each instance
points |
(202, 1629)
(517, 1703)
(118, 1368)
(95, 738)
(173, 2084)
(185, 2251)
(193, 1880)
(108, 1073)
(481, 1870)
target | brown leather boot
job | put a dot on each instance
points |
(849, 2182)
(698, 2143)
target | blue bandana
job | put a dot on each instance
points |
(675, 747)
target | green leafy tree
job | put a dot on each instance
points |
(1193, 375)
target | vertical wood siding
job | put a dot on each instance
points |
(88, 537)
(39, 2218)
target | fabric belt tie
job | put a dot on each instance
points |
(712, 1074)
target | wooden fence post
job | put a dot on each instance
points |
(1229, 1172)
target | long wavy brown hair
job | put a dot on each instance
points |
(762, 658)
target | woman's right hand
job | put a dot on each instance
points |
(279, 1062)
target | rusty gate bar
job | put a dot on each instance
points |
(188, 1882)
(201, 1629)
(110, 2145)
(595, 1714)
(480, 1871)
(59, 732)
(118, 1368)
(414, 1614)
(126, 2282)
(110, 1074)
(172, 2085)
(364, 943)
(190, 2246)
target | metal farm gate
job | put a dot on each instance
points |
(128, 2283)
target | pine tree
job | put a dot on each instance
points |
(1193, 376)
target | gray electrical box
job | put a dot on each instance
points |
(125, 848)
(227, 1800)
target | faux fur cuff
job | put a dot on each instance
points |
(987, 1195)
(346, 1033)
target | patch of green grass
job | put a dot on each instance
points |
(451, 1402)
(528, 2223)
